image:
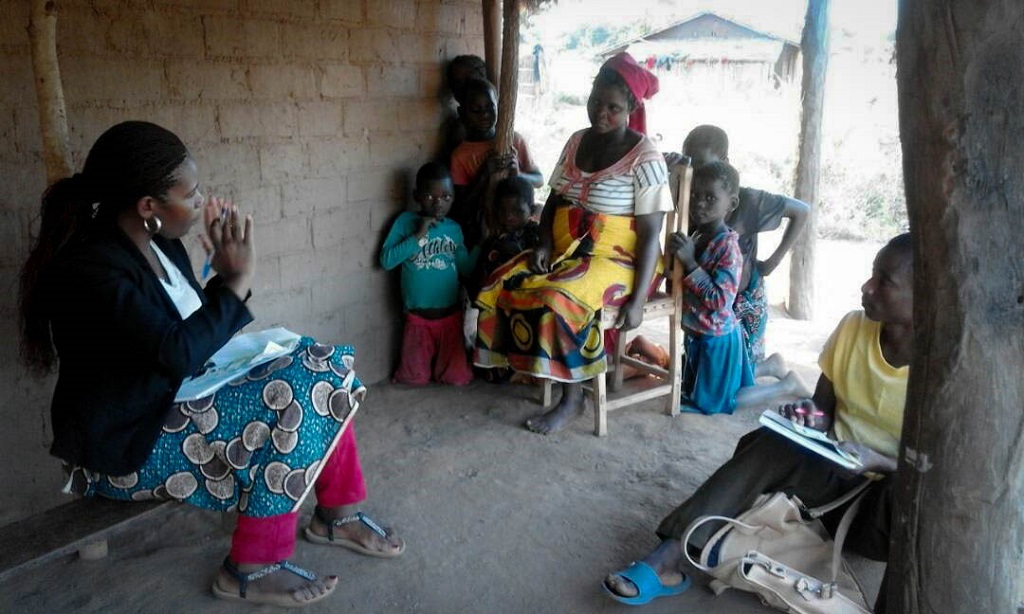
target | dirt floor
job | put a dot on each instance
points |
(497, 519)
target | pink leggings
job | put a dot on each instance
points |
(433, 341)
(272, 539)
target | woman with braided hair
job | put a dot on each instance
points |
(108, 292)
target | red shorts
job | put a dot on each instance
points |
(433, 347)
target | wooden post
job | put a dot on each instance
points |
(958, 539)
(814, 46)
(508, 91)
(492, 39)
(53, 119)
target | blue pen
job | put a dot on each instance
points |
(207, 265)
(209, 257)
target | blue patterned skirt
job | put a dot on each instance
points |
(255, 446)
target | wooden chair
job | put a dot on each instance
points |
(660, 305)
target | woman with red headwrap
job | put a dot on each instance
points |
(642, 85)
(540, 313)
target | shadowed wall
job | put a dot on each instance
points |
(312, 114)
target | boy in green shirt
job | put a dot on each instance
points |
(430, 249)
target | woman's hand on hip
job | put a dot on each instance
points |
(229, 244)
(540, 260)
(631, 315)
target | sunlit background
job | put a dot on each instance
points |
(861, 193)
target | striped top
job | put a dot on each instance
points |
(635, 185)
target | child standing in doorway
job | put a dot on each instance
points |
(474, 162)
(430, 249)
(717, 375)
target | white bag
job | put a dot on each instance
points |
(771, 550)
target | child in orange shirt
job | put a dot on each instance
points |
(474, 162)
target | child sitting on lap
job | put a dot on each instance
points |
(515, 230)
(474, 161)
(717, 374)
(433, 256)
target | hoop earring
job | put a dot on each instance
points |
(156, 226)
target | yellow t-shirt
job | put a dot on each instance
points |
(870, 393)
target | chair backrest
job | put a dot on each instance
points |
(679, 218)
(678, 221)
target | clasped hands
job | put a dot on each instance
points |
(684, 249)
(502, 162)
(229, 245)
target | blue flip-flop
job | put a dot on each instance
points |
(648, 585)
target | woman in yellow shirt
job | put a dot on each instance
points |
(860, 397)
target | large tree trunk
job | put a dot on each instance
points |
(814, 46)
(492, 39)
(959, 521)
(508, 92)
(53, 120)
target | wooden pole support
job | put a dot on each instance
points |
(492, 39)
(53, 120)
(507, 92)
(814, 46)
(958, 535)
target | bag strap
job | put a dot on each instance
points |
(821, 510)
(701, 521)
(855, 494)
(844, 528)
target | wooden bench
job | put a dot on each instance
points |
(64, 529)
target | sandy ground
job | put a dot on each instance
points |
(497, 519)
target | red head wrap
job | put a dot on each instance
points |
(641, 82)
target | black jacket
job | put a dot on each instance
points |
(123, 348)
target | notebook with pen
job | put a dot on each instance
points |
(810, 439)
(238, 356)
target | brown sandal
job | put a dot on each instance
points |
(285, 600)
(344, 542)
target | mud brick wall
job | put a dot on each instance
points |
(312, 114)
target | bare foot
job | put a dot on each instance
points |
(648, 351)
(773, 366)
(665, 561)
(282, 587)
(356, 531)
(568, 409)
(796, 386)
